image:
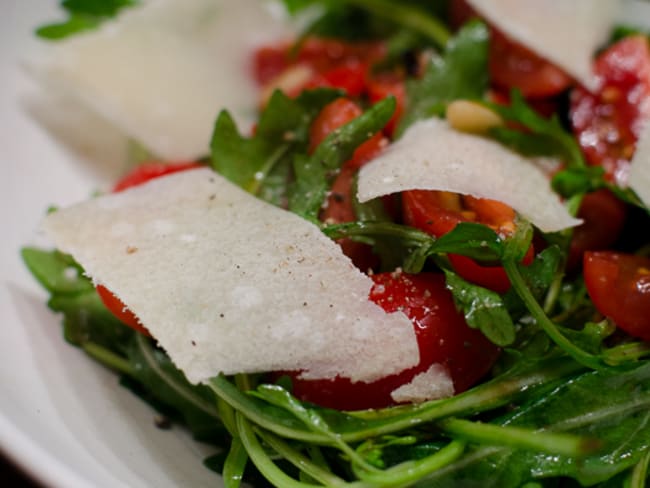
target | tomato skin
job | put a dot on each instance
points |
(443, 338)
(334, 115)
(117, 308)
(382, 86)
(608, 123)
(619, 286)
(603, 218)
(439, 212)
(511, 64)
(148, 171)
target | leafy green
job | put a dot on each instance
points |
(461, 72)
(314, 173)
(261, 164)
(83, 15)
(483, 309)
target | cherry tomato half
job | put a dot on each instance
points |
(608, 123)
(513, 65)
(438, 212)
(121, 312)
(148, 171)
(619, 286)
(443, 338)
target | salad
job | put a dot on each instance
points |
(531, 329)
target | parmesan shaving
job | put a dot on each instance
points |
(433, 384)
(162, 71)
(432, 156)
(230, 284)
(565, 32)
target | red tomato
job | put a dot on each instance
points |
(349, 76)
(334, 115)
(619, 286)
(383, 86)
(603, 217)
(443, 338)
(339, 209)
(511, 64)
(149, 171)
(117, 308)
(439, 212)
(607, 123)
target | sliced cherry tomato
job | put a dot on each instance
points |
(148, 171)
(603, 218)
(443, 338)
(121, 312)
(513, 65)
(607, 123)
(349, 76)
(439, 212)
(383, 86)
(334, 115)
(619, 286)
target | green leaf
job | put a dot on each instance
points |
(483, 309)
(460, 73)
(314, 173)
(544, 136)
(518, 243)
(473, 240)
(55, 271)
(83, 15)
(260, 164)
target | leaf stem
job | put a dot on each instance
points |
(108, 358)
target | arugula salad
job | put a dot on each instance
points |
(532, 334)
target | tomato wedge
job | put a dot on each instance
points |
(619, 286)
(608, 123)
(443, 338)
(438, 212)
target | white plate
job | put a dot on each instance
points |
(63, 418)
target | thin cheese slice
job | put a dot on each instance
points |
(639, 175)
(229, 284)
(163, 71)
(432, 156)
(565, 32)
(432, 384)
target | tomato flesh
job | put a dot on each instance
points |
(619, 286)
(119, 310)
(437, 213)
(149, 171)
(443, 338)
(603, 217)
(608, 122)
(511, 64)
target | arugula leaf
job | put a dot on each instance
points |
(473, 240)
(483, 309)
(460, 73)
(261, 164)
(314, 173)
(545, 136)
(83, 15)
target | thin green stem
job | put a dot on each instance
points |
(580, 355)
(233, 468)
(411, 17)
(108, 358)
(640, 472)
(253, 186)
(549, 442)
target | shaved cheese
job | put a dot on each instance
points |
(230, 284)
(432, 156)
(433, 384)
(565, 32)
(639, 175)
(161, 72)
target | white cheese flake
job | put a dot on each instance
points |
(432, 384)
(565, 32)
(432, 156)
(162, 71)
(639, 175)
(255, 289)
